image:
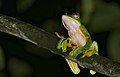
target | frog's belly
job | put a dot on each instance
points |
(78, 39)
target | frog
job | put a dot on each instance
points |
(79, 41)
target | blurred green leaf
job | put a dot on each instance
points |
(87, 9)
(114, 45)
(2, 74)
(23, 5)
(50, 25)
(106, 17)
(2, 59)
(19, 68)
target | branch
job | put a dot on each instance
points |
(46, 40)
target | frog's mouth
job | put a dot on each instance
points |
(70, 23)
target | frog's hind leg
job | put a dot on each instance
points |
(73, 66)
(93, 50)
(76, 51)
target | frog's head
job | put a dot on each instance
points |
(71, 22)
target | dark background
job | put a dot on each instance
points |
(19, 58)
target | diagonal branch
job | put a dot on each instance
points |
(46, 40)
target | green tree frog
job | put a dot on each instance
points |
(79, 41)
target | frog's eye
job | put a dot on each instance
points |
(76, 15)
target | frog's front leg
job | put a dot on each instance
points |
(73, 66)
(63, 44)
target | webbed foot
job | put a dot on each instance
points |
(92, 50)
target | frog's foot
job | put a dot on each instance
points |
(69, 42)
(89, 53)
(94, 46)
(92, 72)
(63, 43)
(93, 50)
